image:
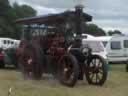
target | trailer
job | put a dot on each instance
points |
(6, 43)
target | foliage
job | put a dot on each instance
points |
(93, 30)
(6, 19)
(22, 11)
(4, 6)
(8, 16)
(110, 32)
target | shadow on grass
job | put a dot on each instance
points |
(9, 68)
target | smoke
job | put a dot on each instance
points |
(78, 2)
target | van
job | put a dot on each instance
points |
(116, 48)
(6, 43)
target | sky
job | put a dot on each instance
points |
(107, 14)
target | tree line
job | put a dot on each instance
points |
(9, 14)
(95, 30)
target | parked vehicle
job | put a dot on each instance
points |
(48, 45)
(9, 47)
(6, 43)
(2, 55)
(10, 57)
(116, 47)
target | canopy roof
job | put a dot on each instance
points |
(53, 18)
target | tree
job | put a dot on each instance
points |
(6, 24)
(93, 30)
(22, 11)
(8, 16)
(4, 6)
(110, 32)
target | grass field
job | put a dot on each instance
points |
(116, 85)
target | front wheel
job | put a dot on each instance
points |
(96, 70)
(68, 71)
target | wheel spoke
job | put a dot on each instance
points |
(100, 71)
(72, 76)
(98, 78)
(94, 62)
(91, 76)
(100, 75)
(99, 63)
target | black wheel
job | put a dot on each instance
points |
(2, 65)
(96, 70)
(68, 71)
(31, 61)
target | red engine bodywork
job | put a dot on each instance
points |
(53, 46)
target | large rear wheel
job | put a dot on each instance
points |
(68, 71)
(96, 70)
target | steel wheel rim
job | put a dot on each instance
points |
(96, 71)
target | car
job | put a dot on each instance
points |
(2, 55)
(10, 58)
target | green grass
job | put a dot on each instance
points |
(116, 85)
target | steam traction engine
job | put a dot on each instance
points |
(49, 45)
